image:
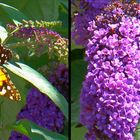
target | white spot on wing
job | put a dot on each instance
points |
(11, 97)
(8, 87)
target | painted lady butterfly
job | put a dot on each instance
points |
(7, 88)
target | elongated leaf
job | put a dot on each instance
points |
(79, 68)
(41, 83)
(75, 112)
(48, 135)
(37, 131)
(15, 15)
(3, 33)
(76, 85)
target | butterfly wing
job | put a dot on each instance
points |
(5, 55)
(7, 88)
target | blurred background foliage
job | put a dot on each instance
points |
(38, 10)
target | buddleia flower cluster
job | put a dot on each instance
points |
(87, 10)
(60, 79)
(110, 98)
(41, 110)
(39, 39)
(17, 136)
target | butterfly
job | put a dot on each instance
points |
(7, 88)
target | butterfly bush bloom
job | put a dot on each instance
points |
(41, 109)
(18, 136)
(110, 98)
(40, 40)
(88, 9)
(60, 79)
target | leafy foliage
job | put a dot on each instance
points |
(36, 131)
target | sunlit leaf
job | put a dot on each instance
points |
(41, 83)
(3, 33)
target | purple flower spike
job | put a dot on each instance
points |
(110, 99)
(88, 9)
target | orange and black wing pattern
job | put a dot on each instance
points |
(7, 88)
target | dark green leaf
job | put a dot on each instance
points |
(77, 54)
(49, 9)
(39, 9)
(64, 2)
(78, 68)
(75, 112)
(13, 13)
(63, 16)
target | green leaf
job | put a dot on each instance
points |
(3, 34)
(49, 9)
(137, 132)
(63, 16)
(66, 129)
(38, 132)
(48, 135)
(41, 83)
(75, 112)
(78, 133)
(37, 9)
(15, 15)
(74, 46)
(77, 54)
(78, 68)
(64, 2)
